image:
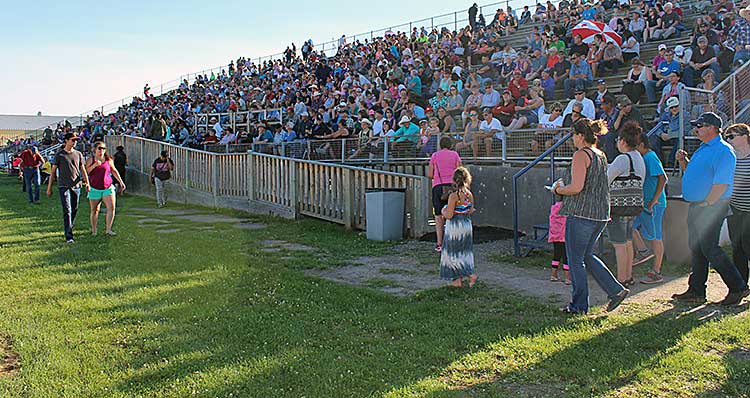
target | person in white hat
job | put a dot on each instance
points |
(366, 138)
(671, 89)
(669, 22)
(670, 133)
(406, 137)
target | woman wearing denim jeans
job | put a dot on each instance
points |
(585, 194)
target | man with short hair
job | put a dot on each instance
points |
(489, 129)
(703, 58)
(738, 36)
(609, 114)
(670, 131)
(588, 109)
(580, 75)
(31, 161)
(68, 166)
(671, 89)
(707, 185)
(491, 97)
(669, 21)
(612, 58)
(161, 171)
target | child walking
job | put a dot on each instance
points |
(557, 237)
(457, 257)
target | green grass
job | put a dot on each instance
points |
(208, 314)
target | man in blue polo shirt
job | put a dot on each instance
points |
(707, 185)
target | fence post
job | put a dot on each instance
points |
(348, 199)
(293, 191)
(143, 157)
(251, 175)
(385, 150)
(455, 21)
(187, 170)
(503, 149)
(215, 178)
(734, 99)
(343, 150)
(432, 23)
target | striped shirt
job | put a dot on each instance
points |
(741, 189)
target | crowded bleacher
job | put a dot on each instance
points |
(488, 84)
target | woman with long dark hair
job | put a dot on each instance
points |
(101, 168)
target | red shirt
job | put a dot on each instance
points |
(29, 159)
(515, 87)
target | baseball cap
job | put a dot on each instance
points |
(673, 101)
(601, 81)
(662, 47)
(624, 101)
(708, 118)
(679, 50)
(71, 136)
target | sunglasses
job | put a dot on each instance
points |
(557, 110)
(576, 112)
(101, 148)
(730, 137)
(473, 114)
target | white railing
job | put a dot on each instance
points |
(331, 192)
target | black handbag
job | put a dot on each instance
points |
(626, 194)
(446, 189)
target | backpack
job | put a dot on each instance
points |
(626, 194)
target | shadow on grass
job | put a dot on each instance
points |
(196, 313)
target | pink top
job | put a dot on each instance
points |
(101, 178)
(444, 163)
(556, 224)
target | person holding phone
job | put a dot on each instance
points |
(161, 171)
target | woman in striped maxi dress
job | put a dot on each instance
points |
(457, 257)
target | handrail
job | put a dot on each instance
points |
(551, 153)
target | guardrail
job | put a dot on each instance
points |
(513, 145)
(563, 142)
(239, 121)
(331, 192)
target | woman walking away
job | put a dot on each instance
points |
(738, 135)
(457, 258)
(586, 204)
(101, 168)
(628, 168)
(443, 164)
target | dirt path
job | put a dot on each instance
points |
(414, 267)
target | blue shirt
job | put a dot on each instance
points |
(410, 133)
(589, 14)
(581, 68)
(417, 85)
(713, 163)
(654, 169)
(665, 68)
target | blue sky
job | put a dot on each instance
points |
(68, 57)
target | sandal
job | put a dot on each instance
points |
(568, 310)
(568, 282)
(554, 279)
(473, 282)
(438, 248)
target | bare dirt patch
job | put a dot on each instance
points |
(414, 267)
(272, 246)
(163, 211)
(10, 361)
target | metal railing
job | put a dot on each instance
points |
(238, 121)
(517, 244)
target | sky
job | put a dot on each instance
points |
(69, 57)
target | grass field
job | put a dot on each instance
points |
(206, 313)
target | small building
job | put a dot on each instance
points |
(19, 126)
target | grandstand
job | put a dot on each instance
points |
(246, 105)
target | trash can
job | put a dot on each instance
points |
(385, 213)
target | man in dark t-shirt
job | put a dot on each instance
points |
(68, 166)
(121, 161)
(161, 171)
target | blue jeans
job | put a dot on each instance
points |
(580, 239)
(69, 198)
(31, 179)
(704, 227)
(651, 90)
(741, 55)
(689, 73)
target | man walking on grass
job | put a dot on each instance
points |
(161, 171)
(707, 185)
(69, 163)
(31, 161)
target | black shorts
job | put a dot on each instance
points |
(437, 203)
